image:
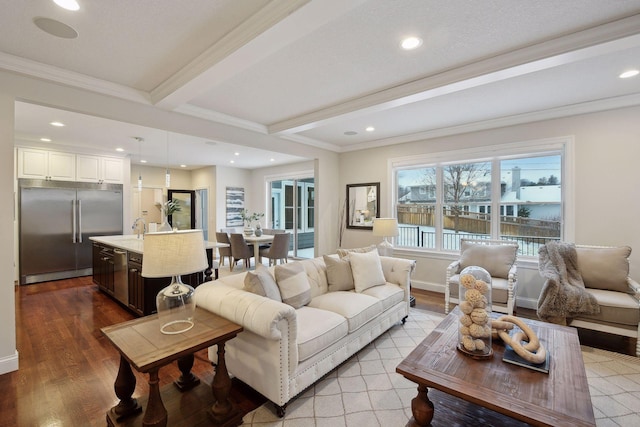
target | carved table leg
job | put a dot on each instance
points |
(187, 380)
(421, 408)
(222, 411)
(124, 387)
(155, 415)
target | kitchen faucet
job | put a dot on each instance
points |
(144, 226)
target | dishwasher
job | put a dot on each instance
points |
(120, 276)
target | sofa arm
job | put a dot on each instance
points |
(398, 270)
(254, 313)
(634, 287)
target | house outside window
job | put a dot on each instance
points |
(439, 202)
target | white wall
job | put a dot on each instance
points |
(8, 349)
(231, 177)
(607, 199)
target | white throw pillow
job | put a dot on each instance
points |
(293, 284)
(367, 270)
(339, 275)
(261, 282)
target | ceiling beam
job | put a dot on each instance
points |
(610, 37)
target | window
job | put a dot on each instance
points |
(441, 201)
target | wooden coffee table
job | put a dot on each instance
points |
(143, 346)
(559, 398)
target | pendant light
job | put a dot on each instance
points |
(137, 138)
(167, 176)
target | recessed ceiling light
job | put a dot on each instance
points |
(57, 124)
(236, 154)
(370, 129)
(120, 149)
(272, 159)
(351, 132)
(629, 73)
(143, 161)
(45, 139)
(67, 4)
(55, 28)
(410, 43)
(183, 166)
(232, 161)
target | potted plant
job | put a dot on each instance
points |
(248, 218)
(169, 208)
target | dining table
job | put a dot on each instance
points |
(256, 241)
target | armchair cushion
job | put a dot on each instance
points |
(496, 259)
(604, 268)
(615, 307)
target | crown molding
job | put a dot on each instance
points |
(42, 71)
(536, 116)
(311, 142)
(613, 36)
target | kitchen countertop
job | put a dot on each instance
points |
(130, 242)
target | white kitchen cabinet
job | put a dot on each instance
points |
(43, 164)
(99, 169)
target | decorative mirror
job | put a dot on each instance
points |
(184, 219)
(363, 205)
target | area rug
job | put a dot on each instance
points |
(366, 390)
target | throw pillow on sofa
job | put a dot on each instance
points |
(339, 277)
(345, 252)
(293, 284)
(367, 270)
(261, 282)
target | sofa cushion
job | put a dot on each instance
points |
(357, 308)
(499, 288)
(366, 269)
(261, 282)
(604, 268)
(615, 307)
(388, 294)
(338, 273)
(344, 252)
(318, 329)
(293, 284)
(496, 259)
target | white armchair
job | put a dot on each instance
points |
(605, 273)
(499, 258)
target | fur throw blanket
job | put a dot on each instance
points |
(563, 294)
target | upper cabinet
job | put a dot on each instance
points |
(60, 166)
(99, 169)
(42, 164)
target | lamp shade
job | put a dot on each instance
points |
(385, 227)
(173, 253)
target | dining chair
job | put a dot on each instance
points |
(279, 249)
(224, 252)
(240, 250)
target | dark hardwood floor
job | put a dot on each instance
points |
(67, 367)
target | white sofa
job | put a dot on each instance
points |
(283, 350)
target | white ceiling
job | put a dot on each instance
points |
(309, 71)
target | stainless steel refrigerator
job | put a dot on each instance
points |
(56, 220)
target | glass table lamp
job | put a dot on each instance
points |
(385, 227)
(172, 254)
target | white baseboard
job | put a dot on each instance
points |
(438, 287)
(9, 363)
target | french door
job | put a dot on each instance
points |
(292, 209)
